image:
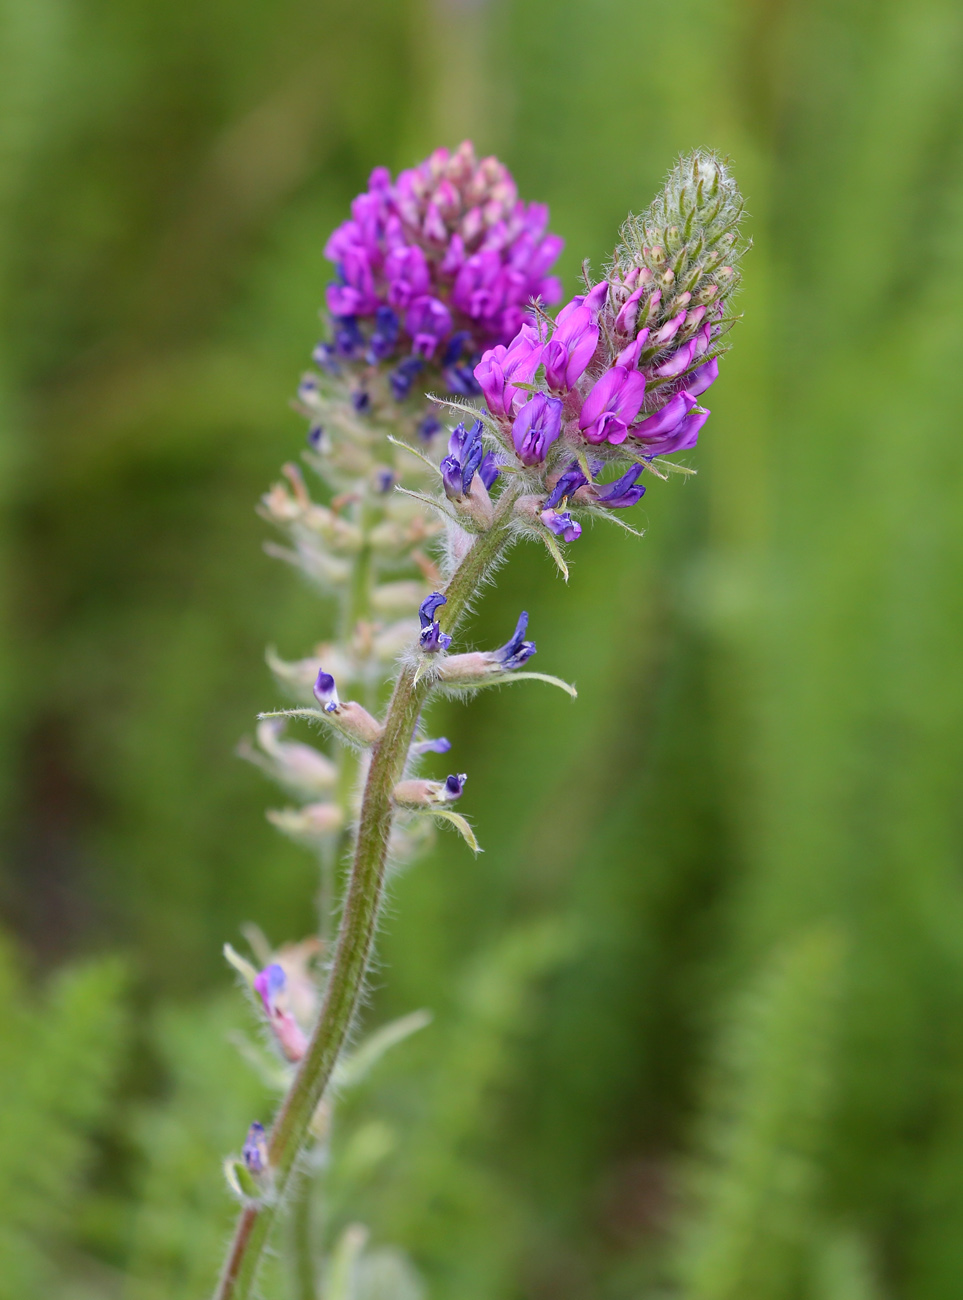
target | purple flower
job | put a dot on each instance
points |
(517, 651)
(623, 492)
(255, 1150)
(665, 420)
(678, 362)
(269, 984)
(326, 692)
(465, 456)
(682, 437)
(488, 470)
(428, 427)
(703, 378)
(383, 340)
(439, 746)
(432, 639)
(612, 405)
(454, 785)
(537, 425)
(453, 231)
(561, 524)
(500, 365)
(403, 376)
(575, 338)
(568, 484)
(428, 321)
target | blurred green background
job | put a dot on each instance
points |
(699, 1007)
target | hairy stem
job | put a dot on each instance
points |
(358, 922)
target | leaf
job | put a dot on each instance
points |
(614, 519)
(460, 825)
(467, 409)
(240, 964)
(518, 676)
(397, 442)
(293, 713)
(555, 552)
(351, 1069)
(431, 501)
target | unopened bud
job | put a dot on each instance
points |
(270, 984)
(311, 825)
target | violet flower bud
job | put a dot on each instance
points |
(326, 692)
(488, 470)
(454, 785)
(703, 378)
(432, 639)
(612, 405)
(255, 1150)
(270, 984)
(561, 524)
(536, 427)
(465, 455)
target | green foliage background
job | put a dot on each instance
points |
(699, 1007)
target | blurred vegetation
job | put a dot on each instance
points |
(699, 1007)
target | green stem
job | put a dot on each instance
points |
(358, 922)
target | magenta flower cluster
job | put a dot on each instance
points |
(436, 266)
(612, 374)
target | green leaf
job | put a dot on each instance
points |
(460, 825)
(555, 552)
(243, 967)
(413, 451)
(351, 1069)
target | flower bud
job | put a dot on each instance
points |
(352, 720)
(311, 825)
(270, 985)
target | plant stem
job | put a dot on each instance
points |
(359, 918)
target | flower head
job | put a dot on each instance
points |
(439, 264)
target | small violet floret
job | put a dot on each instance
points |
(625, 491)
(465, 455)
(255, 1150)
(561, 523)
(432, 639)
(568, 484)
(576, 336)
(612, 405)
(326, 693)
(517, 651)
(454, 785)
(536, 427)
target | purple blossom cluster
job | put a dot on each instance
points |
(612, 373)
(435, 267)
